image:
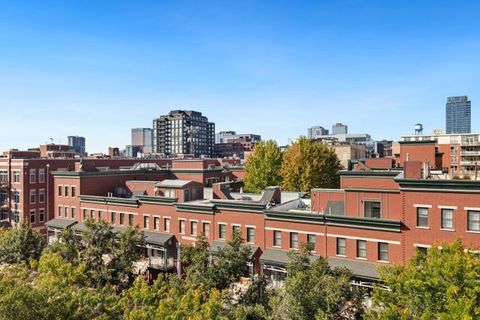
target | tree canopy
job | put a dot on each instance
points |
(313, 290)
(442, 284)
(108, 257)
(263, 167)
(308, 164)
(20, 244)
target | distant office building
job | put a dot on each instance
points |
(113, 152)
(232, 144)
(353, 138)
(459, 115)
(383, 148)
(316, 131)
(339, 128)
(219, 137)
(183, 132)
(77, 144)
(132, 151)
(142, 137)
(56, 151)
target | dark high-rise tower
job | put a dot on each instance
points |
(183, 132)
(77, 144)
(458, 115)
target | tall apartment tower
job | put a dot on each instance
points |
(77, 144)
(459, 115)
(142, 137)
(183, 132)
(316, 131)
(339, 128)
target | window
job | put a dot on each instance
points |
(422, 217)
(341, 246)
(293, 240)
(3, 176)
(41, 215)
(422, 250)
(66, 191)
(16, 196)
(222, 231)
(166, 224)
(277, 238)
(16, 216)
(3, 197)
(181, 226)
(33, 175)
(156, 223)
(193, 227)
(447, 218)
(84, 214)
(312, 240)
(113, 217)
(473, 221)
(41, 175)
(373, 209)
(170, 193)
(250, 234)
(130, 219)
(59, 211)
(74, 191)
(16, 176)
(72, 212)
(361, 249)
(100, 215)
(206, 229)
(65, 210)
(383, 251)
(33, 194)
(235, 229)
(122, 218)
(92, 214)
(60, 190)
(146, 222)
(41, 196)
(32, 216)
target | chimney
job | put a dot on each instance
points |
(412, 169)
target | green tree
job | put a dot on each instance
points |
(315, 291)
(308, 164)
(108, 257)
(169, 298)
(263, 167)
(217, 271)
(197, 263)
(231, 263)
(20, 244)
(443, 284)
(53, 289)
(124, 254)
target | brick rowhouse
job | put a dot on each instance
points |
(377, 217)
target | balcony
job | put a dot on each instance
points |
(470, 163)
(3, 184)
(470, 143)
(470, 153)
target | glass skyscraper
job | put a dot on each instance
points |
(459, 115)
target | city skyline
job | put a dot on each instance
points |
(98, 70)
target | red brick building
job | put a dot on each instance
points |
(377, 217)
(27, 188)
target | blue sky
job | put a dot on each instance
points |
(100, 68)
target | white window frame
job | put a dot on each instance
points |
(32, 173)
